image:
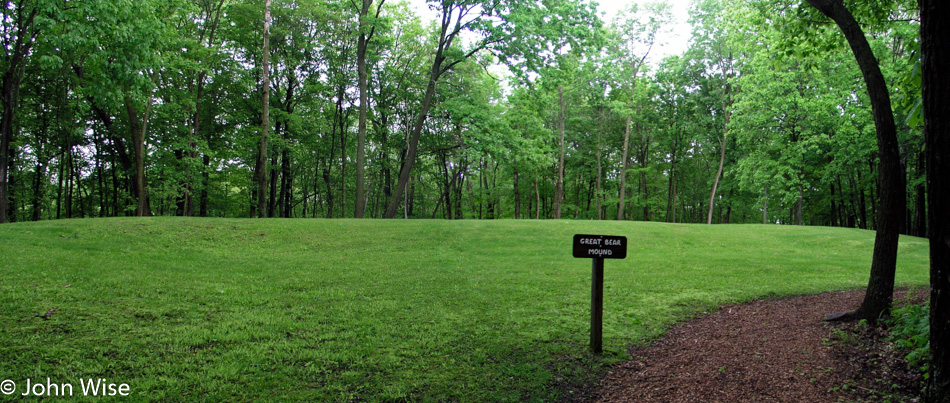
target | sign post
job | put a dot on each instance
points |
(598, 248)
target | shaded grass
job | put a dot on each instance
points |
(228, 309)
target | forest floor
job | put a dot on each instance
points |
(772, 350)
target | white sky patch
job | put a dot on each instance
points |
(675, 43)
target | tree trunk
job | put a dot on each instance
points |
(11, 82)
(285, 182)
(261, 167)
(342, 121)
(935, 63)
(559, 188)
(445, 41)
(671, 193)
(361, 46)
(833, 213)
(877, 301)
(15, 61)
(623, 169)
(600, 170)
(722, 162)
(206, 177)
(517, 194)
(645, 192)
(272, 194)
(138, 144)
(920, 205)
(798, 205)
(537, 195)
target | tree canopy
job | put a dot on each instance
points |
(512, 109)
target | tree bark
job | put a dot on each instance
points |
(934, 32)
(364, 107)
(15, 61)
(877, 301)
(261, 167)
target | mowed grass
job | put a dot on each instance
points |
(228, 309)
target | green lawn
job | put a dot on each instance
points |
(228, 309)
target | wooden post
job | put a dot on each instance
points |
(597, 305)
(598, 248)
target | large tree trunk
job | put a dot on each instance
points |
(261, 167)
(934, 33)
(11, 82)
(877, 301)
(15, 61)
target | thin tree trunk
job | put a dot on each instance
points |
(138, 144)
(559, 188)
(600, 170)
(413, 144)
(644, 191)
(671, 195)
(920, 205)
(722, 162)
(272, 194)
(206, 178)
(537, 194)
(623, 169)
(285, 181)
(59, 190)
(517, 194)
(834, 207)
(798, 205)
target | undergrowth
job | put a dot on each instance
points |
(909, 327)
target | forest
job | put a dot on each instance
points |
(492, 109)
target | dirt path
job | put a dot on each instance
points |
(774, 350)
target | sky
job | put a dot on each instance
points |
(674, 43)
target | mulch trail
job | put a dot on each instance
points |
(774, 350)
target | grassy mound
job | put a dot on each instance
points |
(227, 309)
